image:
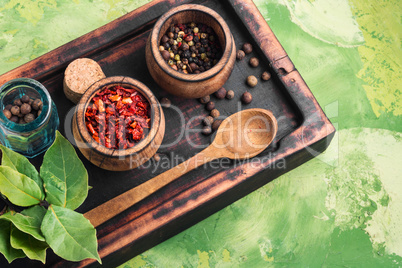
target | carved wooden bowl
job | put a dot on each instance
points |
(118, 159)
(191, 85)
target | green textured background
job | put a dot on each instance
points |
(341, 209)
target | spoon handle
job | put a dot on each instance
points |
(114, 206)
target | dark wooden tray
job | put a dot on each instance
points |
(119, 47)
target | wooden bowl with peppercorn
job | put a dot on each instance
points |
(190, 52)
(118, 123)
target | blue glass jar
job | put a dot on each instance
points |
(33, 138)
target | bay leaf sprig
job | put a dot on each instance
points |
(48, 199)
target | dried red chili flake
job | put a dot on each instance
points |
(118, 117)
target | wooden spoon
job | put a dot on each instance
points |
(243, 135)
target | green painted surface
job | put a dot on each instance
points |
(343, 208)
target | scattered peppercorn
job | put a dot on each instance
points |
(230, 94)
(220, 93)
(206, 130)
(208, 120)
(215, 113)
(194, 46)
(252, 81)
(254, 62)
(216, 124)
(240, 54)
(246, 98)
(166, 103)
(265, 76)
(247, 48)
(210, 106)
(205, 99)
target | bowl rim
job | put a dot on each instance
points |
(191, 77)
(121, 80)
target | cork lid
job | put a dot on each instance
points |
(79, 75)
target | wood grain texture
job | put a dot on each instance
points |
(119, 47)
(243, 135)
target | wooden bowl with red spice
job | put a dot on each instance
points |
(211, 46)
(118, 123)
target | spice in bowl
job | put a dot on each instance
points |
(118, 117)
(190, 48)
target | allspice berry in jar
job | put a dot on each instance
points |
(23, 128)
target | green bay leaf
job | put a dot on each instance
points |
(69, 234)
(33, 248)
(6, 249)
(64, 175)
(18, 188)
(28, 221)
(21, 164)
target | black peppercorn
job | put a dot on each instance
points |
(247, 48)
(183, 40)
(8, 107)
(246, 98)
(220, 93)
(165, 39)
(210, 106)
(252, 81)
(21, 121)
(230, 94)
(165, 54)
(240, 54)
(265, 76)
(15, 110)
(254, 62)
